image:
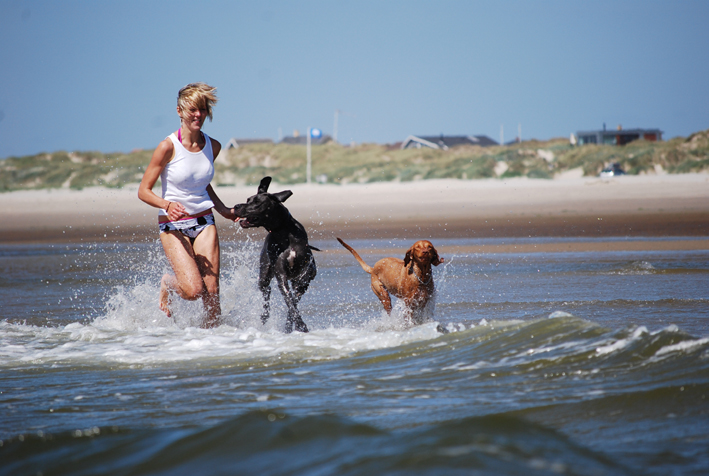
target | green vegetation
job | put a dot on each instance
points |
(366, 163)
(74, 170)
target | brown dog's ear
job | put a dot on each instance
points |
(436, 260)
(407, 257)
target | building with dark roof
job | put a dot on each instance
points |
(445, 142)
(618, 137)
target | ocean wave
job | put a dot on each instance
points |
(634, 268)
(561, 340)
(273, 443)
(96, 345)
(395, 396)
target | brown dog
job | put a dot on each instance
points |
(410, 279)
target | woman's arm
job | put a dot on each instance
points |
(162, 155)
(219, 206)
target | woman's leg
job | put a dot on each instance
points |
(206, 251)
(167, 284)
(187, 281)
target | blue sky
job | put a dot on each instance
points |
(103, 75)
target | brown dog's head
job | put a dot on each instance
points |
(423, 252)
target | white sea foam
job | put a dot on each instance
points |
(637, 268)
(559, 314)
(684, 346)
(622, 343)
(96, 344)
(463, 366)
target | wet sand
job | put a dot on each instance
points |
(624, 210)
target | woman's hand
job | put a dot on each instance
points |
(175, 211)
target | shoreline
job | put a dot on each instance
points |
(621, 207)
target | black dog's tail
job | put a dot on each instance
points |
(361, 262)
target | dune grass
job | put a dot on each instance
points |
(364, 163)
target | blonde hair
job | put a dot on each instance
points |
(198, 95)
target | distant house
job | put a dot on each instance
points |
(618, 137)
(445, 142)
(235, 143)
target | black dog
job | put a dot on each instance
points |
(286, 253)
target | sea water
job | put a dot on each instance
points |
(554, 363)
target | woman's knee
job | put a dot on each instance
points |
(192, 291)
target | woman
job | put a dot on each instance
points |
(184, 162)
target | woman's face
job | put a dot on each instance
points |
(193, 116)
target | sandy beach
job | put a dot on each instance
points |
(630, 208)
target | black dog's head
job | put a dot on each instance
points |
(263, 209)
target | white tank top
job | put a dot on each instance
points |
(185, 178)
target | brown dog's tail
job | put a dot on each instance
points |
(361, 262)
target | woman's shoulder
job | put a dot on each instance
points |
(166, 144)
(215, 142)
(216, 146)
(165, 149)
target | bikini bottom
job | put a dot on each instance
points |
(190, 227)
